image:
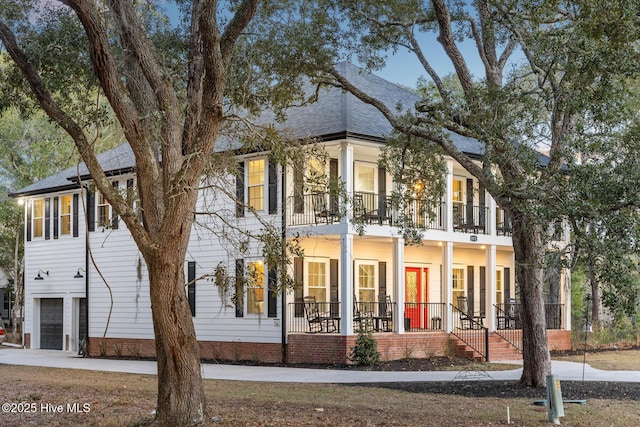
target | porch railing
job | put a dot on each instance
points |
(470, 218)
(424, 316)
(298, 322)
(508, 325)
(471, 332)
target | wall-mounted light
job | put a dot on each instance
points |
(39, 276)
(418, 186)
(79, 274)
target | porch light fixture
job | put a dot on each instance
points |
(418, 186)
(79, 274)
(39, 276)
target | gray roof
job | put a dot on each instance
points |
(336, 113)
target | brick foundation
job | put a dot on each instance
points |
(330, 349)
(27, 340)
(209, 350)
(559, 339)
(335, 349)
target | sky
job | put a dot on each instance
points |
(403, 67)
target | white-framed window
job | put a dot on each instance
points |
(499, 286)
(457, 274)
(365, 177)
(255, 183)
(318, 278)
(255, 287)
(104, 211)
(366, 281)
(37, 218)
(65, 214)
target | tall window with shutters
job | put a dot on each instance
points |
(256, 179)
(65, 215)
(37, 220)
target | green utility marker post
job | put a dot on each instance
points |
(555, 406)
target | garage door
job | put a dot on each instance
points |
(51, 314)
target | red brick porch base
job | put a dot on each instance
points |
(209, 350)
(335, 349)
(559, 339)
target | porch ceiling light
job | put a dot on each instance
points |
(79, 274)
(39, 276)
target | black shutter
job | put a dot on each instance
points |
(114, 216)
(74, 217)
(507, 285)
(47, 218)
(333, 178)
(298, 189)
(29, 206)
(91, 209)
(272, 300)
(273, 188)
(333, 288)
(483, 290)
(471, 292)
(382, 194)
(240, 190)
(239, 297)
(191, 288)
(298, 287)
(382, 278)
(56, 217)
(469, 209)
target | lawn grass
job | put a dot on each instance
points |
(610, 360)
(117, 399)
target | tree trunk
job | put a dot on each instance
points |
(181, 400)
(596, 299)
(529, 254)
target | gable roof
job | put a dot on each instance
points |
(335, 115)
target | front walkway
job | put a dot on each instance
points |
(565, 371)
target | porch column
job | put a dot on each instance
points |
(346, 174)
(346, 284)
(447, 283)
(398, 283)
(449, 196)
(490, 299)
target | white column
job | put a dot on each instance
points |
(398, 283)
(346, 174)
(447, 283)
(490, 299)
(346, 284)
(449, 196)
(492, 216)
(567, 298)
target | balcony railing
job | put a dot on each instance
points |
(470, 219)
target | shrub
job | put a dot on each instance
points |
(365, 352)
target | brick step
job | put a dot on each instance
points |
(499, 349)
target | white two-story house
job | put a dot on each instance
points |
(84, 277)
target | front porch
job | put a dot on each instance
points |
(426, 330)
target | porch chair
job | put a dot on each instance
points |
(384, 319)
(320, 209)
(363, 318)
(467, 319)
(317, 322)
(510, 317)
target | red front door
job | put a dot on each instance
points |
(415, 308)
(412, 297)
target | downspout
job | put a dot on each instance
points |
(283, 267)
(86, 289)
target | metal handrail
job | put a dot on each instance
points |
(471, 332)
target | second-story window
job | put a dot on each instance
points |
(38, 218)
(256, 184)
(104, 211)
(65, 215)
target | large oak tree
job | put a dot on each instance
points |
(551, 78)
(173, 91)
